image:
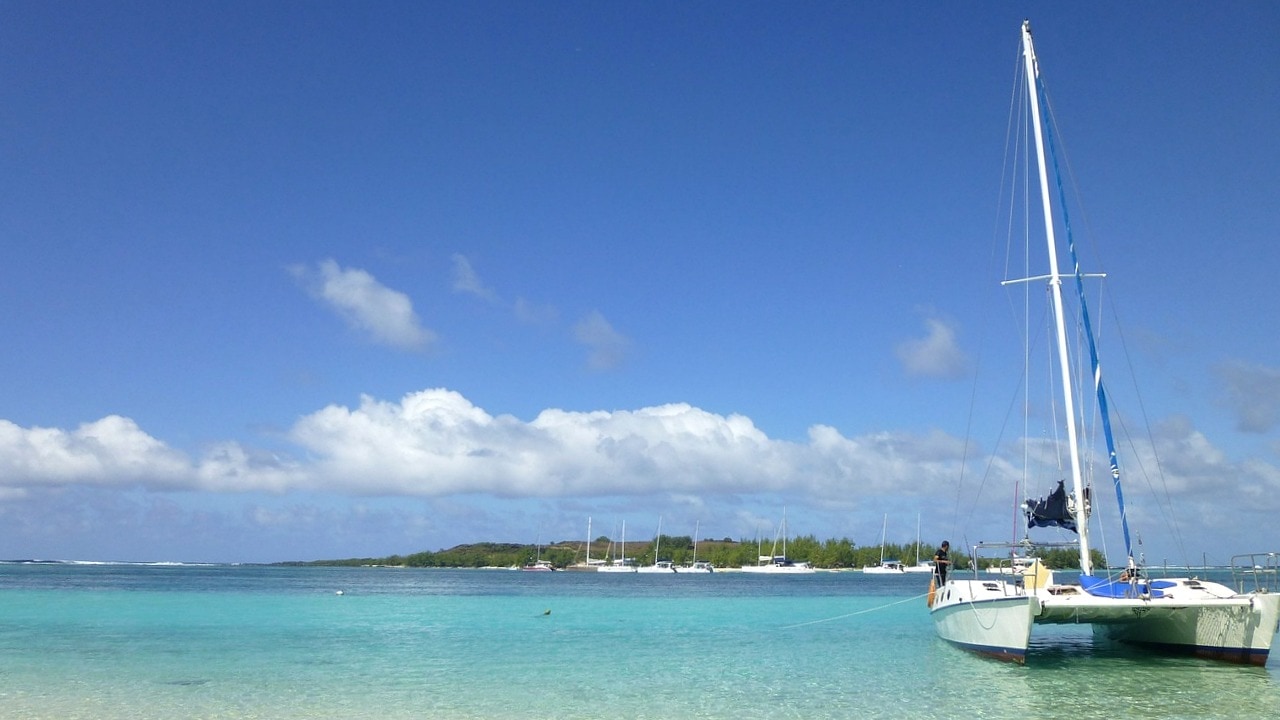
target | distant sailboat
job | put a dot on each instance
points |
(589, 563)
(774, 564)
(620, 563)
(539, 565)
(697, 566)
(658, 566)
(921, 566)
(886, 567)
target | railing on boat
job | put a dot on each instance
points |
(1256, 572)
(1004, 559)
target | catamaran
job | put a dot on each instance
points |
(1186, 615)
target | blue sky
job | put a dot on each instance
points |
(303, 280)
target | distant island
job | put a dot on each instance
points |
(726, 553)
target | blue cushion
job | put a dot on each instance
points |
(1102, 587)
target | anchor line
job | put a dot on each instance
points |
(848, 615)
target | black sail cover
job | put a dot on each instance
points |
(1050, 511)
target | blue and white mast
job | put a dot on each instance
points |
(1055, 284)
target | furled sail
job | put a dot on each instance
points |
(1051, 511)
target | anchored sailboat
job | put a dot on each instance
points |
(773, 564)
(1186, 615)
(658, 566)
(886, 567)
(621, 563)
(921, 566)
(697, 566)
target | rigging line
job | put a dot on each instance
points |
(1007, 178)
(1165, 504)
(1165, 507)
(1093, 351)
(849, 615)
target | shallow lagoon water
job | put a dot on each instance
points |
(126, 641)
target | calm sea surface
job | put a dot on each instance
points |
(127, 641)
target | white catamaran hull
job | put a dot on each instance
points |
(1194, 617)
(1191, 617)
(793, 569)
(984, 618)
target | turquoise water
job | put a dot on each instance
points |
(122, 641)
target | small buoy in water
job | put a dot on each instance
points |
(340, 593)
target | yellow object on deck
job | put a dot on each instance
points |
(1036, 575)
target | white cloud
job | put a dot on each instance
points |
(935, 355)
(110, 451)
(115, 452)
(535, 314)
(437, 444)
(466, 281)
(229, 467)
(368, 306)
(608, 347)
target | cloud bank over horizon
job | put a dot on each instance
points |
(435, 443)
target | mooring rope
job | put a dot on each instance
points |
(849, 615)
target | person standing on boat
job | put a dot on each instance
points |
(941, 563)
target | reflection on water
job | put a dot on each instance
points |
(1069, 675)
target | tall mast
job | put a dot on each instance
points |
(917, 538)
(1055, 283)
(784, 531)
(658, 542)
(695, 541)
(884, 528)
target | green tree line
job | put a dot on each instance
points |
(829, 554)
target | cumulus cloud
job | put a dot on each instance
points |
(1253, 393)
(936, 355)
(607, 348)
(110, 451)
(437, 444)
(115, 452)
(386, 316)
